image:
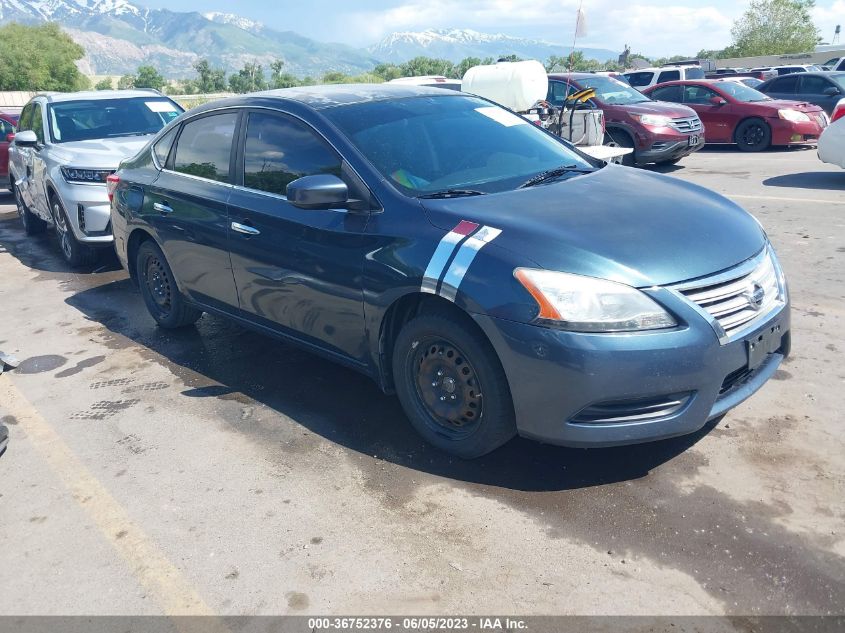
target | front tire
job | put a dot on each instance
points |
(32, 224)
(159, 290)
(753, 135)
(452, 386)
(75, 253)
(616, 138)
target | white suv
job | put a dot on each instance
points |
(646, 77)
(65, 147)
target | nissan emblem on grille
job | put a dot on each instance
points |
(755, 296)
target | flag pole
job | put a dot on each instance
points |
(575, 34)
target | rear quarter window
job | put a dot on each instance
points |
(698, 73)
(638, 80)
(669, 75)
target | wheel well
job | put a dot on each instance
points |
(398, 314)
(136, 238)
(751, 118)
(614, 132)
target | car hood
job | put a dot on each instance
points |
(673, 110)
(617, 223)
(780, 104)
(106, 153)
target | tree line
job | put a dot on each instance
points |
(44, 57)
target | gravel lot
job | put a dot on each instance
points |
(218, 471)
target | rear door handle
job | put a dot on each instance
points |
(246, 229)
(162, 208)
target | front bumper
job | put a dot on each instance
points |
(558, 378)
(662, 149)
(89, 211)
(789, 133)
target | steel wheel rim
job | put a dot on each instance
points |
(448, 388)
(62, 230)
(753, 135)
(158, 283)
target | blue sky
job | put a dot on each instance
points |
(656, 27)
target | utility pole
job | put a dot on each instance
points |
(836, 34)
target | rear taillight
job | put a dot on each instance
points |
(111, 185)
(838, 113)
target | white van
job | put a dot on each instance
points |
(653, 76)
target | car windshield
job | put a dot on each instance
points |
(109, 118)
(426, 145)
(741, 92)
(613, 92)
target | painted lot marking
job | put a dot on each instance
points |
(153, 570)
(783, 199)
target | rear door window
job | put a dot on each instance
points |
(204, 147)
(698, 95)
(280, 149)
(784, 85)
(669, 75)
(558, 92)
(698, 73)
(675, 94)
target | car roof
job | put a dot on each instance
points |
(575, 76)
(332, 95)
(97, 95)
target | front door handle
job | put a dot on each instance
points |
(162, 208)
(246, 229)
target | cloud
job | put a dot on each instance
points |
(610, 23)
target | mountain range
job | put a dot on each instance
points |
(118, 36)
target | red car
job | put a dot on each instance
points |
(8, 123)
(735, 113)
(658, 132)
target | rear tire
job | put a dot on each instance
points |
(32, 224)
(75, 253)
(617, 138)
(753, 135)
(452, 386)
(159, 290)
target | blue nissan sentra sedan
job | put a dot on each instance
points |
(497, 280)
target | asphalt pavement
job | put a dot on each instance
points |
(216, 471)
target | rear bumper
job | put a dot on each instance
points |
(564, 384)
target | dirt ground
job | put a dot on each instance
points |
(216, 471)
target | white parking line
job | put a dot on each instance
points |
(783, 199)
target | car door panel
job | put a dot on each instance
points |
(716, 119)
(187, 208)
(297, 271)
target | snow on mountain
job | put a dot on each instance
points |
(456, 44)
(234, 20)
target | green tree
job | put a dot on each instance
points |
(104, 84)
(421, 66)
(127, 82)
(210, 79)
(250, 78)
(774, 27)
(39, 58)
(387, 71)
(149, 77)
(460, 69)
(510, 58)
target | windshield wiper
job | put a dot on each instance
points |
(452, 193)
(551, 174)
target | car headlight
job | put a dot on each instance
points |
(794, 116)
(656, 120)
(588, 304)
(76, 174)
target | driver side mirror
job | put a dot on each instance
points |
(26, 138)
(717, 101)
(832, 91)
(323, 191)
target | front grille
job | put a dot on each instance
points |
(641, 409)
(737, 300)
(687, 124)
